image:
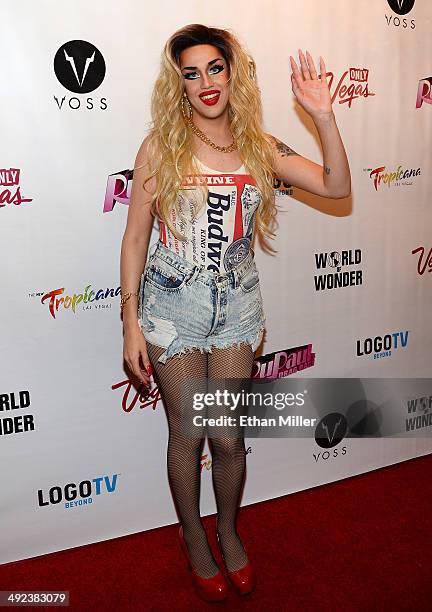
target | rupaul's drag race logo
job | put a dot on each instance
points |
(118, 190)
(352, 85)
(382, 177)
(57, 299)
(80, 68)
(283, 363)
(424, 260)
(338, 276)
(400, 8)
(12, 421)
(74, 494)
(382, 346)
(10, 192)
(266, 367)
(424, 92)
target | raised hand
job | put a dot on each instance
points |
(312, 92)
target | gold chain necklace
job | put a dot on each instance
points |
(206, 139)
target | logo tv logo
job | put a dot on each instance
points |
(78, 494)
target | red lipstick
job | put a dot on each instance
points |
(213, 100)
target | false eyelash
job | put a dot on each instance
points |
(187, 76)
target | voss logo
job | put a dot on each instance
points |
(330, 431)
(81, 494)
(400, 7)
(80, 67)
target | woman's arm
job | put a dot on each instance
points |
(136, 237)
(134, 249)
(332, 179)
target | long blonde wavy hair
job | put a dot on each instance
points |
(170, 139)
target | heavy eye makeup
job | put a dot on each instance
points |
(216, 68)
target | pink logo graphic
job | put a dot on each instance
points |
(9, 187)
(283, 363)
(424, 92)
(130, 399)
(118, 189)
(353, 84)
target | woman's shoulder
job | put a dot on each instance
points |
(143, 170)
(142, 156)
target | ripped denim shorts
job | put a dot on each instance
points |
(183, 306)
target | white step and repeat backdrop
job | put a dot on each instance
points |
(348, 294)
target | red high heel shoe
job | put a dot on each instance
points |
(209, 589)
(244, 578)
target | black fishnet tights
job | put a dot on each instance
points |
(184, 451)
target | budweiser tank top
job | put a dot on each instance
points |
(219, 236)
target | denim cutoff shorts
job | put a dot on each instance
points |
(183, 306)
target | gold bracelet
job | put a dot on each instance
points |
(124, 298)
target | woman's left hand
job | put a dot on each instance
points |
(312, 93)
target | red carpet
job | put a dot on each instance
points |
(363, 543)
